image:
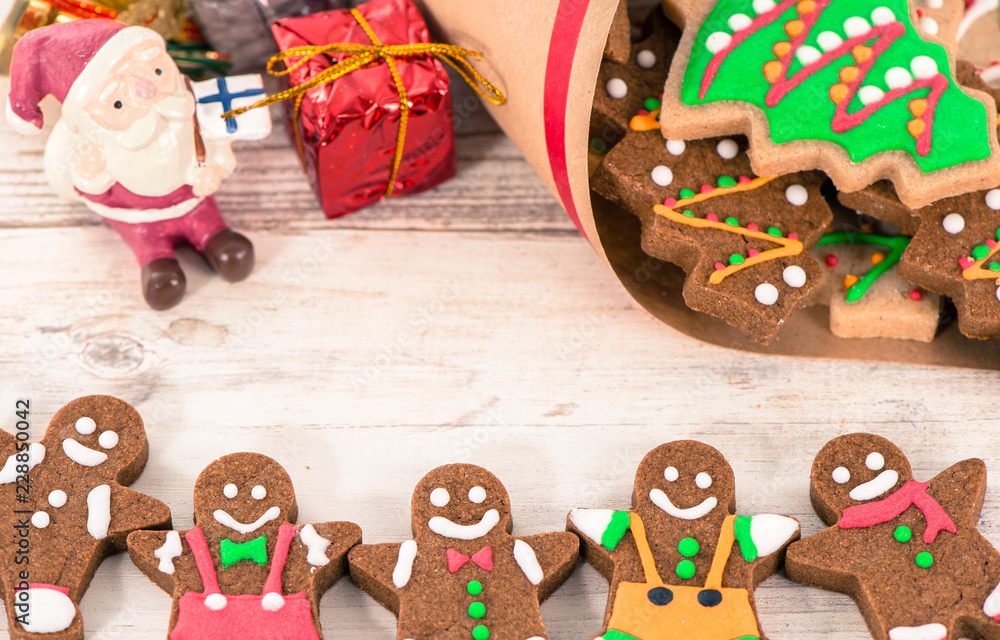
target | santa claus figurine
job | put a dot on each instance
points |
(128, 145)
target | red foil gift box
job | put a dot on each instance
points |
(348, 127)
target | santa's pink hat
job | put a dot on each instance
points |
(69, 61)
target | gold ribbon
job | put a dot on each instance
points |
(364, 56)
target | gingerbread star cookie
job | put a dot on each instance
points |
(680, 559)
(463, 576)
(66, 507)
(743, 240)
(908, 552)
(851, 87)
(246, 570)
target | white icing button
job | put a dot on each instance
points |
(993, 199)
(477, 495)
(676, 147)
(662, 175)
(440, 497)
(762, 6)
(216, 601)
(883, 15)
(929, 25)
(617, 88)
(670, 473)
(841, 475)
(739, 21)
(808, 55)
(828, 40)
(272, 601)
(898, 77)
(875, 461)
(935, 4)
(230, 491)
(703, 480)
(998, 294)
(86, 426)
(870, 94)
(718, 41)
(797, 195)
(258, 493)
(727, 149)
(57, 498)
(40, 519)
(856, 26)
(645, 59)
(108, 439)
(953, 223)
(923, 67)
(794, 276)
(766, 294)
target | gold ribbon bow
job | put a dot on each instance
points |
(370, 55)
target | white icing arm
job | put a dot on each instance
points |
(99, 511)
(316, 545)
(591, 522)
(404, 564)
(525, 557)
(770, 532)
(171, 549)
(36, 453)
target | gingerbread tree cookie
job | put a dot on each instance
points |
(66, 507)
(463, 576)
(680, 560)
(743, 240)
(908, 552)
(246, 570)
(847, 86)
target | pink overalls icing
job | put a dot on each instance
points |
(269, 616)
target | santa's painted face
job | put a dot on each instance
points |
(243, 496)
(460, 502)
(856, 468)
(143, 77)
(685, 480)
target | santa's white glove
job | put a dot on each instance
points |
(208, 180)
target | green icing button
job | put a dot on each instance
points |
(924, 560)
(688, 547)
(480, 632)
(477, 610)
(685, 569)
(686, 193)
(980, 251)
(474, 588)
(651, 104)
(902, 534)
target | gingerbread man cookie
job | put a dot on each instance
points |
(680, 560)
(851, 87)
(908, 552)
(246, 570)
(463, 576)
(66, 507)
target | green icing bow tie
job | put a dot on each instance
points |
(254, 551)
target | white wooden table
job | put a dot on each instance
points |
(468, 324)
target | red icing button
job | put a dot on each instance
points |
(832, 260)
(670, 202)
(752, 227)
(916, 295)
(966, 263)
(744, 180)
(752, 252)
(793, 236)
(712, 217)
(706, 188)
(719, 266)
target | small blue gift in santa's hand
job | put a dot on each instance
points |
(221, 95)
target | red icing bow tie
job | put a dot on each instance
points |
(913, 494)
(482, 559)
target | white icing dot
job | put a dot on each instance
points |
(728, 148)
(230, 491)
(108, 439)
(739, 21)
(797, 195)
(86, 426)
(670, 473)
(617, 88)
(935, 4)
(57, 498)
(929, 25)
(998, 294)
(766, 293)
(717, 41)
(645, 59)
(273, 601)
(841, 475)
(923, 67)
(440, 497)
(870, 94)
(856, 26)
(828, 40)
(993, 199)
(794, 276)
(883, 15)
(808, 55)
(216, 601)
(875, 461)
(477, 495)
(40, 519)
(898, 77)
(258, 492)
(703, 480)
(676, 147)
(762, 6)
(953, 223)
(662, 175)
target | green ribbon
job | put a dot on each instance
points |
(254, 551)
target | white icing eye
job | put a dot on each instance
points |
(477, 495)
(57, 498)
(230, 491)
(841, 475)
(875, 461)
(258, 493)
(440, 497)
(703, 480)
(670, 474)
(86, 426)
(108, 439)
